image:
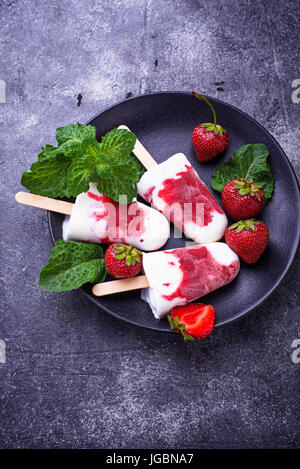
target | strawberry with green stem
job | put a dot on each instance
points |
(209, 139)
(243, 198)
(248, 238)
(123, 261)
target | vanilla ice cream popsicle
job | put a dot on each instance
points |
(99, 219)
(179, 276)
(174, 188)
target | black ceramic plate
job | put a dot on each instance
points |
(164, 123)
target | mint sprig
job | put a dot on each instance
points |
(67, 170)
(71, 265)
(249, 161)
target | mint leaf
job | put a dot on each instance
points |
(79, 159)
(75, 133)
(118, 143)
(88, 165)
(85, 169)
(48, 176)
(80, 173)
(140, 168)
(71, 265)
(248, 161)
(48, 150)
(122, 181)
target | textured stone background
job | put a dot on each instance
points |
(75, 377)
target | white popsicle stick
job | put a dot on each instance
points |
(45, 203)
(121, 285)
(141, 153)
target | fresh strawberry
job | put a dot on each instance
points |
(209, 139)
(193, 321)
(243, 198)
(248, 238)
(122, 261)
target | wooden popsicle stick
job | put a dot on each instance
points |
(141, 153)
(122, 285)
(45, 203)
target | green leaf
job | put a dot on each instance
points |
(75, 148)
(245, 224)
(118, 143)
(75, 133)
(179, 328)
(249, 161)
(189, 338)
(71, 265)
(140, 168)
(122, 181)
(79, 159)
(80, 173)
(126, 170)
(90, 147)
(48, 150)
(89, 165)
(48, 176)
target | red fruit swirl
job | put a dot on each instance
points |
(127, 222)
(205, 275)
(187, 188)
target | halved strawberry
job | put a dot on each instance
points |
(193, 321)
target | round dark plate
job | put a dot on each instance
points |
(164, 123)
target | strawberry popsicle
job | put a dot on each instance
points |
(174, 188)
(99, 219)
(179, 276)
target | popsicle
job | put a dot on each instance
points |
(175, 188)
(178, 276)
(99, 219)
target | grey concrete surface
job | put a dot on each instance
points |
(75, 377)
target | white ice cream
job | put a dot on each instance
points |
(97, 222)
(164, 279)
(176, 168)
(177, 277)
